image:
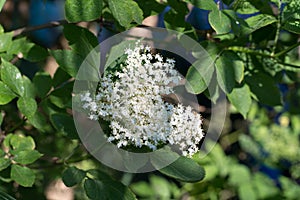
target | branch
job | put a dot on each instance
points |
(278, 28)
(25, 30)
(248, 51)
(287, 50)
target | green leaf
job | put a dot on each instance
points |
(240, 97)
(290, 188)
(99, 174)
(29, 90)
(4, 163)
(205, 5)
(239, 175)
(259, 21)
(6, 95)
(117, 51)
(29, 51)
(12, 77)
(229, 69)
(82, 10)
(263, 6)
(26, 157)
(20, 142)
(64, 123)
(22, 175)
(183, 169)
(68, 60)
(264, 89)
(125, 12)
(161, 187)
(199, 75)
(142, 189)
(60, 77)
(250, 146)
(27, 106)
(38, 121)
(61, 97)
(94, 189)
(81, 40)
(73, 176)
(116, 190)
(5, 41)
(219, 21)
(225, 73)
(150, 7)
(292, 25)
(6, 142)
(107, 189)
(83, 43)
(2, 2)
(247, 192)
(42, 82)
(36, 54)
(237, 24)
(175, 18)
(264, 186)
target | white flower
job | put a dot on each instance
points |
(134, 106)
(186, 129)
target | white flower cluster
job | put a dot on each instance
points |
(134, 106)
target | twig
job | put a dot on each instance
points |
(287, 50)
(52, 24)
(278, 28)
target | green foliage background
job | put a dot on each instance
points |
(251, 58)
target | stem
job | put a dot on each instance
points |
(24, 30)
(289, 65)
(278, 28)
(52, 24)
(248, 51)
(59, 163)
(287, 50)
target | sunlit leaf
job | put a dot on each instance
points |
(5, 41)
(26, 157)
(22, 175)
(68, 60)
(83, 10)
(6, 95)
(205, 5)
(27, 106)
(19, 142)
(2, 2)
(4, 163)
(219, 21)
(126, 11)
(240, 97)
(12, 77)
